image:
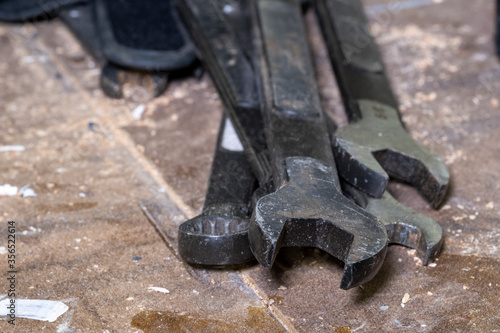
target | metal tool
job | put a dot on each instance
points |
(308, 208)
(375, 144)
(219, 236)
(222, 35)
(404, 225)
(225, 54)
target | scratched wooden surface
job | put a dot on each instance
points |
(77, 239)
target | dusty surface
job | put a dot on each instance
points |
(103, 179)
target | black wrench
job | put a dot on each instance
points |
(219, 235)
(375, 144)
(308, 208)
(226, 56)
(222, 36)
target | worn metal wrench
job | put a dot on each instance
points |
(222, 34)
(404, 225)
(308, 208)
(375, 144)
(219, 235)
(224, 50)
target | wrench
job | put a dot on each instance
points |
(308, 208)
(219, 235)
(222, 34)
(375, 144)
(404, 225)
(223, 52)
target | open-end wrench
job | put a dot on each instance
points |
(404, 225)
(375, 144)
(308, 208)
(225, 54)
(219, 236)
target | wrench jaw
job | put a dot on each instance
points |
(379, 144)
(358, 272)
(407, 227)
(411, 236)
(421, 167)
(358, 166)
(309, 211)
(404, 225)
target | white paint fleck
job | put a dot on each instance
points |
(3, 250)
(138, 111)
(160, 290)
(384, 308)
(36, 309)
(358, 328)
(81, 195)
(230, 140)
(13, 148)
(196, 292)
(8, 189)
(27, 191)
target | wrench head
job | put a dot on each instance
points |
(404, 225)
(215, 240)
(407, 227)
(367, 152)
(310, 211)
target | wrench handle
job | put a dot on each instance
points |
(225, 54)
(354, 55)
(293, 111)
(232, 180)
